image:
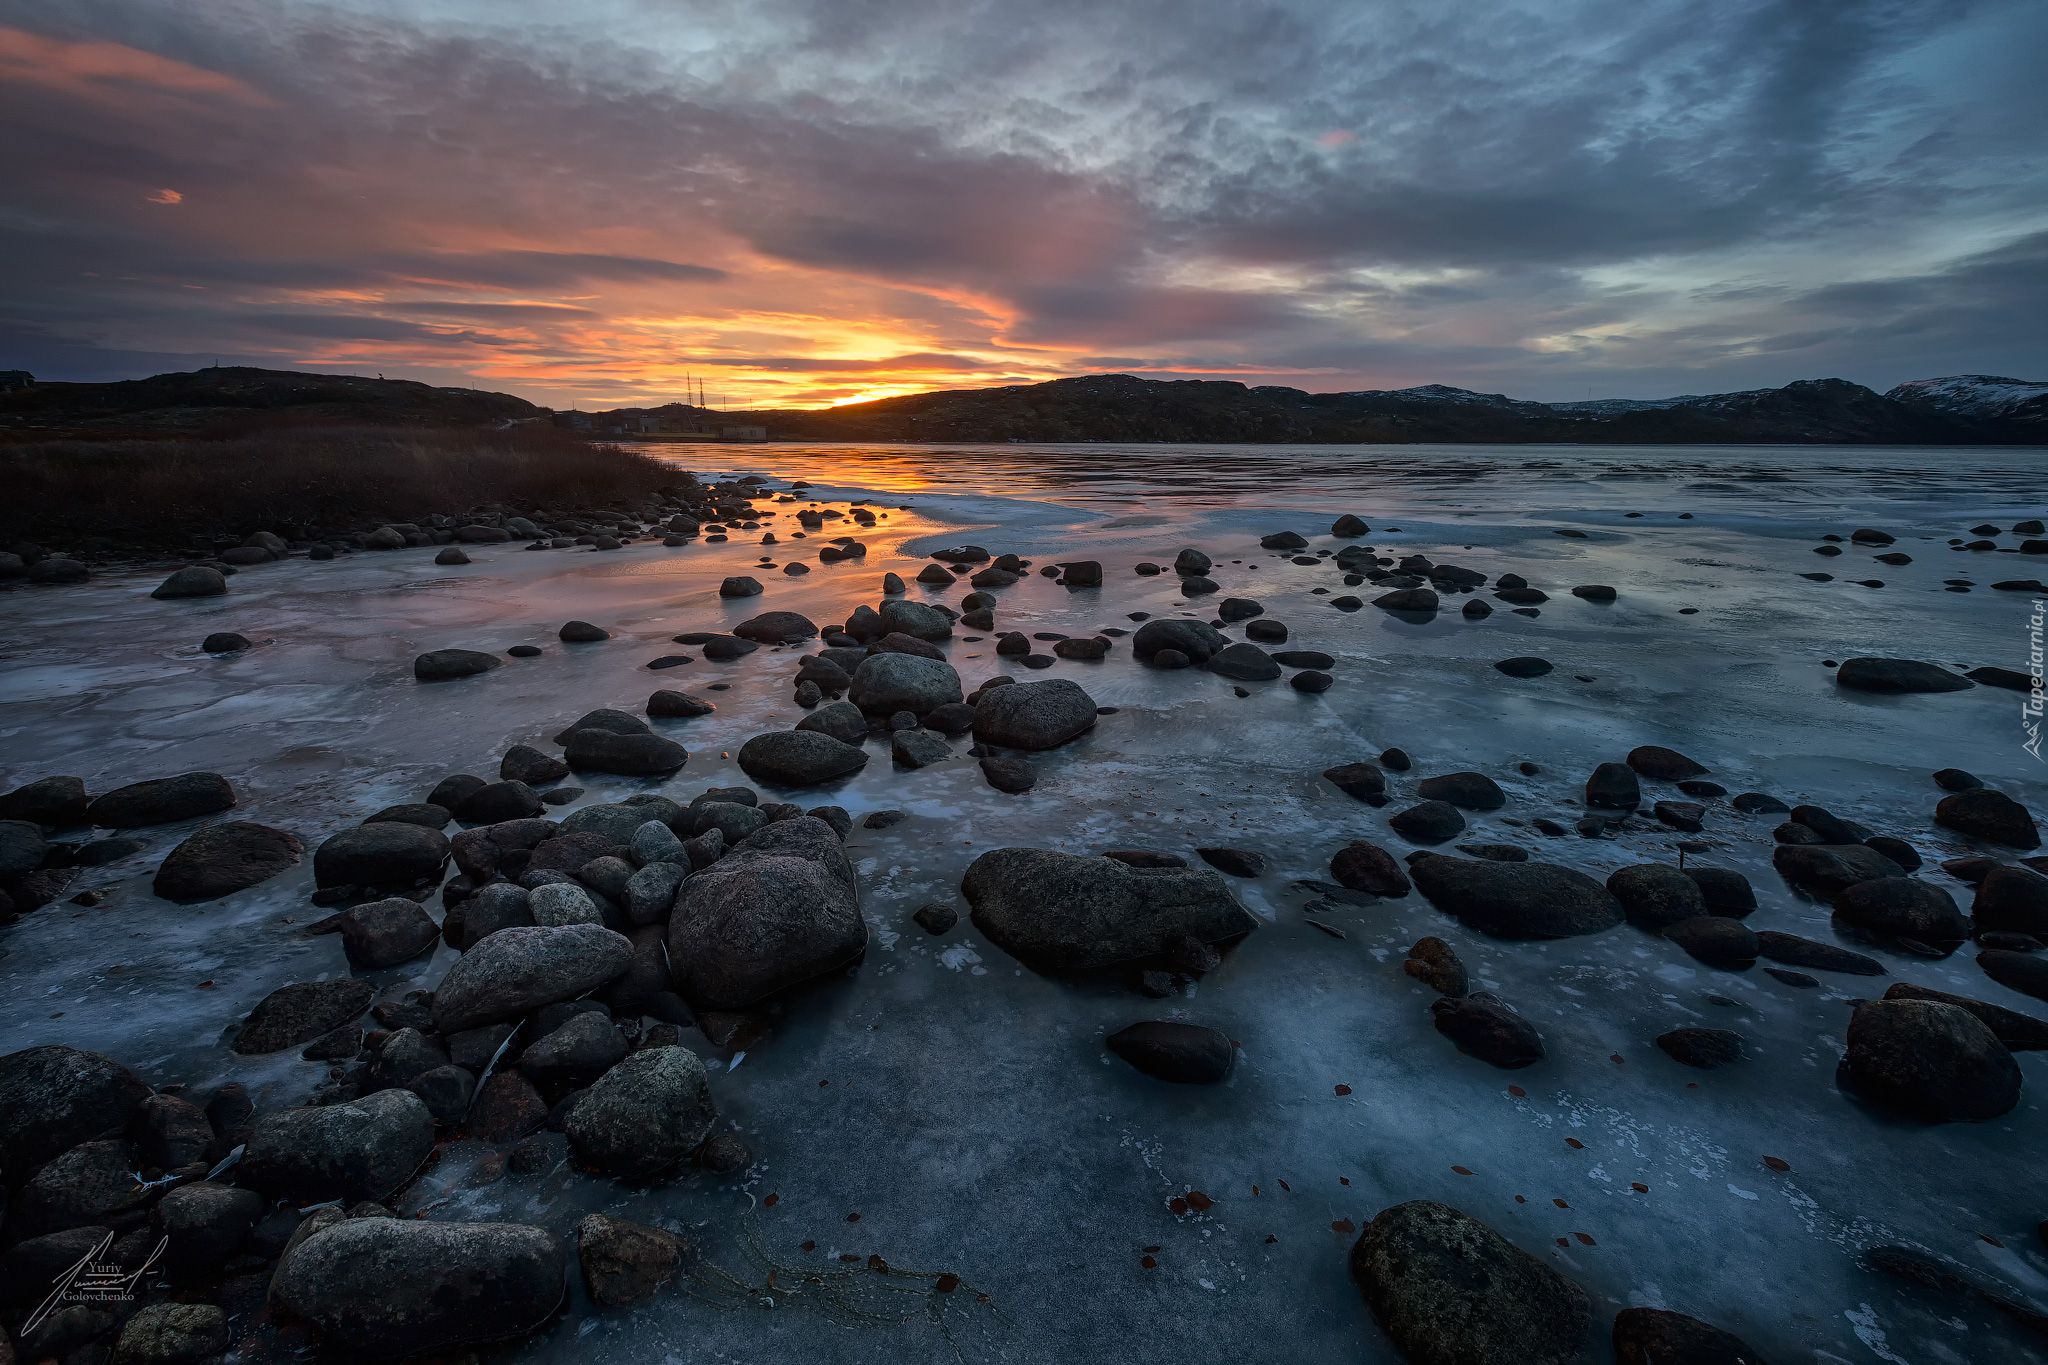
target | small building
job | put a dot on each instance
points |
(744, 433)
(16, 379)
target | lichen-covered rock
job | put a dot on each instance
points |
(1517, 900)
(781, 907)
(645, 1115)
(361, 1150)
(1060, 911)
(515, 971)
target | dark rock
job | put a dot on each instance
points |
(1407, 599)
(1239, 608)
(725, 1154)
(1655, 896)
(727, 647)
(1429, 822)
(170, 1133)
(1245, 662)
(1500, 853)
(1680, 815)
(161, 802)
(524, 764)
(1705, 1048)
(451, 791)
(1486, 1028)
(55, 802)
(1361, 866)
(204, 1224)
(441, 665)
(506, 1108)
(291, 1016)
(739, 586)
(361, 1150)
(194, 580)
(2012, 899)
(582, 633)
(779, 909)
(1724, 890)
(1517, 900)
(918, 748)
(423, 813)
(625, 1263)
(517, 970)
(1188, 1054)
(1086, 650)
(1432, 962)
(224, 642)
(1059, 911)
(386, 854)
(1653, 1336)
(1238, 862)
(497, 802)
(1902, 906)
(1826, 869)
(1473, 791)
(1948, 779)
(2022, 972)
(1980, 812)
(1662, 764)
(915, 619)
(889, 682)
(1898, 850)
(777, 628)
(53, 1098)
(383, 1287)
(1361, 780)
(1897, 675)
(224, 858)
(2019, 1032)
(1757, 803)
(799, 758)
(575, 1053)
(1794, 951)
(1831, 829)
(1195, 641)
(936, 919)
(1040, 715)
(1449, 1290)
(1934, 1061)
(1144, 857)
(1525, 666)
(1715, 940)
(1613, 786)
(645, 1115)
(594, 750)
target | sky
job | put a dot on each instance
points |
(802, 203)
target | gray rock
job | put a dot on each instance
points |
(442, 665)
(655, 842)
(842, 719)
(1060, 911)
(644, 1116)
(1449, 1290)
(1655, 896)
(918, 748)
(384, 1287)
(561, 903)
(205, 1224)
(1905, 907)
(93, 1184)
(1187, 1054)
(222, 859)
(781, 907)
(387, 932)
(52, 1098)
(1934, 1061)
(292, 1016)
(615, 822)
(799, 758)
(162, 801)
(22, 848)
(170, 1133)
(1705, 1048)
(389, 854)
(1195, 641)
(1826, 869)
(1039, 715)
(576, 1053)
(172, 1334)
(1517, 900)
(914, 619)
(652, 890)
(194, 580)
(604, 751)
(515, 971)
(887, 683)
(501, 905)
(777, 628)
(361, 1150)
(625, 1263)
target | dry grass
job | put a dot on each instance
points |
(307, 482)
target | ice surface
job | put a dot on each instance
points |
(966, 1109)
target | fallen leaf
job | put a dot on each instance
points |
(1343, 1180)
(1584, 1238)
(206, 985)
(1342, 1089)
(1177, 1204)
(1517, 1092)
(849, 1257)
(1575, 1144)
(1564, 1241)
(771, 1201)
(808, 1246)
(878, 1265)
(1560, 1203)
(1199, 1202)
(1148, 1263)
(853, 1218)
(1461, 1170)
(1521, 1199)
(1255, 1191)
(1287, 1187)
(947, 1283)
(1993, 1240)
(1343, 1225)
(1777, 1163)
(1639, 1187)
(1270, 1239)
(1148, 1250)
(1616, 1059)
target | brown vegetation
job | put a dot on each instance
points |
(308, 481)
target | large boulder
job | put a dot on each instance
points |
(52, 1098)
(1665, 765)
(194, 580)
(841, 719)
(385, 1287)
(1656, 896)
(172, 1334)
(203, 1223)
(1934, 1061)
(292, 1016)
(1981, 813)
(1197, 640)
(887, 683)
(776, 628)
(1483, 1026)
(2019, 1032)
(389, 853)
(2013, 899)
(1366, 867)
(781, 907)
(225, 858)
(161, 802)
(1897, 675)
(93, 1184)
(1905, 907)
(636, 755)
(1827, 869)
(645, 1115)
(515, 971)
(799, 758)
(361, 1150)
(1449, 1290)
(1061, 911)
(624, 1263)
(22, 848)
(1245, 662)
(59, 802)
(1038, 715)
(1517, 900)
(386, 932)
(915, 619)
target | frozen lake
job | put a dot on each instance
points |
(965, 1108)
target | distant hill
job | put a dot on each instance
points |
(1122, 407)
(240, 398)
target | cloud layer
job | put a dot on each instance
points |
(807, 202)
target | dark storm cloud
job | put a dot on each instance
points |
(1393, 191)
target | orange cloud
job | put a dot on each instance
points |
(167, 197)
(103, 70)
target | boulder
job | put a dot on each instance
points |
(647, 986)
(1936, 1062)
(55, 802)
(161, 802)
(170, 1133)
(22, 849)
(1897, 675)
(915, 619)
(636, 755)
(739, 585)
(1362, 780)
(1473, 791)
(387, 932)
(678, 705)
(1664, 765)
(53, 1098)
(582, 633)
(1061, 911)
(1655, 896)
(562, 903)
(842, 720)
(1613, 786)
(441, 665)
(1827, 869)
(515, 971)
(194, 580)
(1195, 641)
(92, 1184)
(1449, 1290)
(1981, 813)
(1038, 715)
(364, 1149)
(2013, 899)
(799, 758)
(2019, 1032)
(1715, 940)
(1428, 822)
(1408, 599)
(645, 1115)
(1905, 907)
(781, 907)
(1705, 1048)
(389, 853)
(1245, 662)
(1653, 1336)
(624, 1263)
(1794, 951)
(225, 858)
(1517, 900)
(777, 628)
(1366, 867)
(575, 1053)
(204, 1224)
(525, 764)
(1484, 1027)
(887, 683)
(292, 1016)
(383, 1287)
(172, 1334)
(2026, 973)
(1724, 890)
